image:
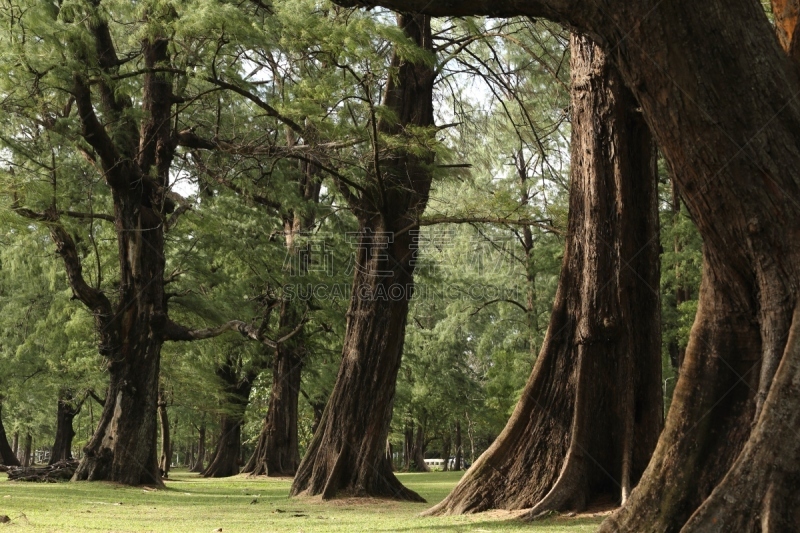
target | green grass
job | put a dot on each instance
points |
(239, 504)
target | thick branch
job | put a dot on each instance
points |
(93, 298)
(271, 111)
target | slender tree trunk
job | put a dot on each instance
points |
(201, 450)
(347, 454)
(408, 446)
(15, 443)
(8, 456)
(66, 413)
(459, 450)
(591, 413)
(27, 449)
(418, 456)
(446, 444)
(277, 452)
(166, 452)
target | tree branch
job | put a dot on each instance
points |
(506, 300)
(93, 298)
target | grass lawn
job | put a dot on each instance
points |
(239, 504)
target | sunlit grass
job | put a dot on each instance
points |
(240, 504)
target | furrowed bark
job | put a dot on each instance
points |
(591, 412)
(347, 453)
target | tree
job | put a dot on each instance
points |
(727, 456)
(348, 452)
(593, 400)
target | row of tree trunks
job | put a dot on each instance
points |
(591, 412)
(347, 454)
(724, 461)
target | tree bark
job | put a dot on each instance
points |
(67, 410)
(787, 13)
(165, 460)
(591, 412)
(347, 454)
(8, 456)
(201, 450)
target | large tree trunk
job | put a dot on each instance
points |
(165, 460)
(65, 414)
(135, 160)
(591, 412)
(347, 453)
(277, 452)
(8, 456)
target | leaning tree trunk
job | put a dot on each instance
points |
(347, 453)
(591, 412)
(66, 413)
(7, 455)
(277, 452)
(165, 460)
